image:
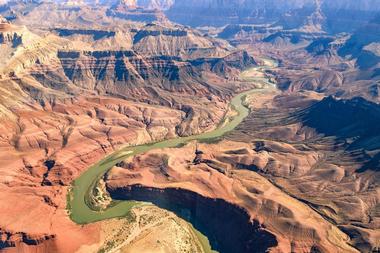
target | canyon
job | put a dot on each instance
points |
(290, 87)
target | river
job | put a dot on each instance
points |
(81, 213)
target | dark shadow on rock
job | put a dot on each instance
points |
(227, 226)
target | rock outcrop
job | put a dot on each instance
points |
(363, 45)
(156, 4)
(177, 41)
(228, 227)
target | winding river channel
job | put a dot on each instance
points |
(81, 213)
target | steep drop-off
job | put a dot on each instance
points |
(228, 227)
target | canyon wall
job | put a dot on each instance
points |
(228, 227)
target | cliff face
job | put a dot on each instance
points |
(136, 13)
(364, 45)
(177, 41)
(19, 45)
(156, 4)
(228, 227)
(122, 72)
(11, 239)
(348, 15)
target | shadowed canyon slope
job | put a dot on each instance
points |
(329, 161)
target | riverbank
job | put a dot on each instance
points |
(82, 213)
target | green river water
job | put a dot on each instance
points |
(81, 213)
